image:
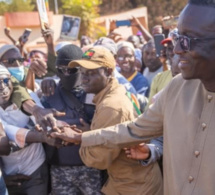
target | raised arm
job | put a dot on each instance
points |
(135, 22)
(7, 33)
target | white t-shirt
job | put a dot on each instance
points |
(150, 75)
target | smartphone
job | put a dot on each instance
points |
(25, 35)
(158, 46)
(123, 23)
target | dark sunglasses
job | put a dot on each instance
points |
(12, 60)
(67, 71)
(185, 41)
(5, 81)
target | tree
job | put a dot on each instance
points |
(87, 11)
(52, 4)
(16, 6)
(113, 6)
(3, 8)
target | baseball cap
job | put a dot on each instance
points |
(6, 48)
(94, 58)
(167, 40)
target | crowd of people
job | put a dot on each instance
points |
(111, 116)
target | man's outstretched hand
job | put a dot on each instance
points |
(46, 117)
(68, 134)
(39, 67)
(139, 152)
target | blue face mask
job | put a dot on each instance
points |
(17, 72)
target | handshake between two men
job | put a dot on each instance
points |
(68, 134)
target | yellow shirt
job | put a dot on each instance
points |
(159, 82)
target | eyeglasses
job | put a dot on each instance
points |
(67, 71)
(128, 57)
(5, 81)
(12, 60)
(185, 41)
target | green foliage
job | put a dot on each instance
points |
(16, 6)
(87, 10)
(3, 8)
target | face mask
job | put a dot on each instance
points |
(17, 72)
(71, 81)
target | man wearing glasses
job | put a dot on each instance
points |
(113, 106)
(183, 112)
(11, 58)
(26, 162)
(68, 173)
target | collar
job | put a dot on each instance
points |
(132, 76)
(158, 70)
(10, 108)
(112, 84)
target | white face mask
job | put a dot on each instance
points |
(17, 72)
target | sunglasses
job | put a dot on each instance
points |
(5, 81)
(185, 41)
(67, 71)
(12, 60)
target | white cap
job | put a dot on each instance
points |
(125, 44)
